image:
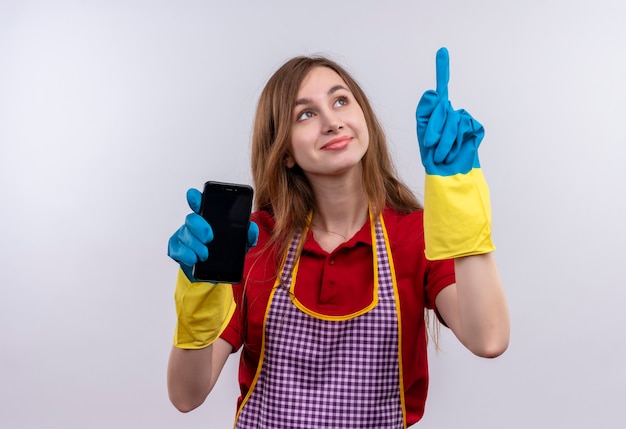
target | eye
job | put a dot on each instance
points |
(306, 114)
(341, 101)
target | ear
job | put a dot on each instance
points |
(289, 161)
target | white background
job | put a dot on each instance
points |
(110, 110)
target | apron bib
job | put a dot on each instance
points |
(328, 372)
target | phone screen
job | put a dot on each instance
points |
(227, 207)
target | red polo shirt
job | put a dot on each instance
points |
(342, 282)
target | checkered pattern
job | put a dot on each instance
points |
(328, 374)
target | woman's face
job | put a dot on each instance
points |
(329, 134)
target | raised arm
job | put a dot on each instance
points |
(457, 220)
(203, 311)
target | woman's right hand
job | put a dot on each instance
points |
(188, 245)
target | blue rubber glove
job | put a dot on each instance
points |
(188, 245)
(448, 138)
(203, 309)
(457, 210)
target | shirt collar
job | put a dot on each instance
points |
(362, 237)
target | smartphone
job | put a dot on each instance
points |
(227, 208)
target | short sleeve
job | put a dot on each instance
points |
(233, 333)
(438, 275)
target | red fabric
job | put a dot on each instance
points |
(340, 283)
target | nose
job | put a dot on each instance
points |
(333, 128)
(332, 124)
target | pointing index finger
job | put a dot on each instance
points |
(443, 72)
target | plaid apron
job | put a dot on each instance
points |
(319, 372)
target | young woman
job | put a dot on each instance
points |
(330, 317)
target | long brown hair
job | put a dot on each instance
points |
(286, 192)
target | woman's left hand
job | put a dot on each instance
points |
(457, 210)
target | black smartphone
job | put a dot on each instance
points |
(227, 208)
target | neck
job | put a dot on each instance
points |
(342, 209)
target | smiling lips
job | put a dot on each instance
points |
(337, 143)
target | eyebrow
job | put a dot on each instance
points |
(301, 101)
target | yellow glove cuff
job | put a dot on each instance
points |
(203, 309)
(457, 215)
